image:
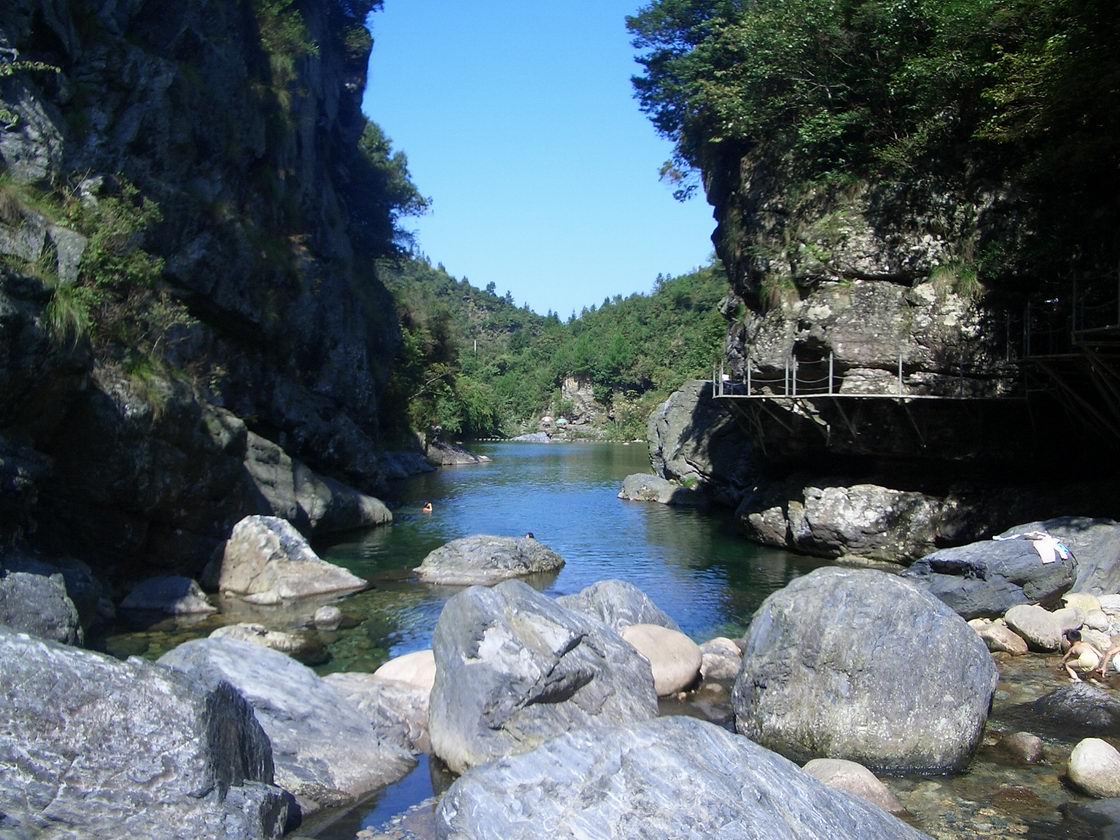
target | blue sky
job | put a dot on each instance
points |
(519, 122)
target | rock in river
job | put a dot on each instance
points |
(267, 561)
(484, 560)
(672, 777)
(617, 604)
(327, 751)
(38, 604)
(1039, 628)
(652, 488)
(1094, 767)
(94, 747)
(990, 577)
(514, 669)
(855, 779)
(862, 665)
(170, 595)
(1078, 709)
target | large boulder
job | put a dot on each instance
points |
(444, 454)
(1077, 709)
(168, 595)
(987, 578)
(267, 561)
(640, 487)
(388, 703)
(1094, 767)
(1094, 542)
(862, 665)
(38, 604)
(692, 438)
(484, 560)
(617, 604)
(1039, 628)
(514, 669)
(94, 747)
(669, 777)
(326, 750)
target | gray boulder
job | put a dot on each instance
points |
(94, 747)
(327, 752)
(617, 604)
(1077, 709)
(1039, 628)
(514, 669)
(389, 704)
(987, 578)
(89, 596)
(1094, 767)
(862, 665)
(267, 561)
(303, 647)
(170, 595)
(38, 605)
(640, 487)
(484, 560)
(1095, 544)
(445, 454)
(669, 777)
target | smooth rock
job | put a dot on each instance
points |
(855, 779)
(989, 577)
(38, 604)
(266, 560)
(94, 747)
(1097, 620)
(327, 618)
(722, 659)
(514, 669)
(170, 595)
(1098, 819)
(1098, 639)
(1022, 746)
(999, 637)
(1069, 618)
(863, 665)
(416, 669)
(1042, 630)
(484, 560)
(1094, 542)
(327, 752)
(1094, 767)
(673, 657)
(1110, 604)
(307, 650)
(1081, 600)
(388, 703)
(617, 604)
(641, 487)
(1078, 709)
(640, 781)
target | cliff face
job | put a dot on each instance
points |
(207, 146)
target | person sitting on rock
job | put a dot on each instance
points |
(1085, 657)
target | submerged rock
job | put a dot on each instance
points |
(169, 595)
(37, 604)
(266, 561)
(1079, 709)
(651, 488)
(514, 669)
(860, 664)
(327, 752)
(308, 650)
(665, 778)
(484, 560)
(617, 604)
(94, 747)
(989, 577)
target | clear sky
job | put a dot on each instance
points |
(519, 122)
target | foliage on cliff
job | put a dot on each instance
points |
(473, 363)
(1014, 96)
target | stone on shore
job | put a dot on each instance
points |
(267, 561)
(987, 578)
(485, 560)
(641, 487)
(94, 747)
(855, 779)
(673, 658)
(1040, 629)
(617, 604)
(416, 669)
(389, 704)
(514, 669)
(168, 595)
(1094, 767)
(998, 636)
(665, 778)
(722, 659)
(38, 604)
(326, 751)
(863, 665)
(1069, 618)
(308, 650)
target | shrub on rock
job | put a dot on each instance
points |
(862, 665)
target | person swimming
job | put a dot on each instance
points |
(427, 508)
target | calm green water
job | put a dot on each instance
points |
(691, 563)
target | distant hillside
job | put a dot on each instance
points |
(473, 364)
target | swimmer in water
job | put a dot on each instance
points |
(427, 508)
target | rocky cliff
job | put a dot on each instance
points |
(190, 326)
